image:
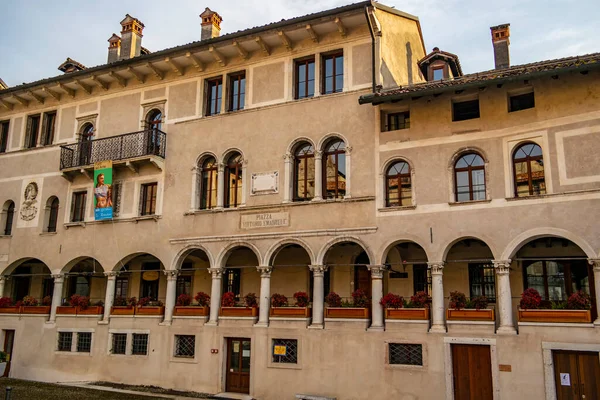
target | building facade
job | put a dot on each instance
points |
(326, 154)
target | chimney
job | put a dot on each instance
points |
(131, 37)
(501, 41)
(211, 24)
(114, 48)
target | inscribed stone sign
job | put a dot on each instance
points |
(265, 220)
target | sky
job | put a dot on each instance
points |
(36, 36)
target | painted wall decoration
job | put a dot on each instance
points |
(29, 207)
(103, 178)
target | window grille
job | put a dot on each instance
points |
(84, 342)
(140, 344)
(185, 345)
(65, 340)
(285, 351)
(482, 281)
(119, 343)
(405, 354)
(464, 110)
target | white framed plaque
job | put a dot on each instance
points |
(265, 183)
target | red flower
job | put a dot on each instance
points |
(391, 300)
(333, 300)
(301, 299)
(184, 300)
(228, 299)
(203, 299)
(251, 300)
(279, 300)
(579, 300)
(530, 299)
(458, 300)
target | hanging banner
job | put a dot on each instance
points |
(103, 177)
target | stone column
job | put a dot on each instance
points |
(318, 295)
(504, 297)
(596, 267)
(215, 295)
(59, 280)
(244, 183)
(3, 280)
(318, 176)
(348, 171)
(437, 297)
(265, 295)
(376, 295)
(220, 185)
(196, 176)
(110, 294)
(288, 178)
(171, 293)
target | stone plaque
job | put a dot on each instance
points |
(265, 220)
(265, 183)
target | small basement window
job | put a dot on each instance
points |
(285, 351)
(464, 110)
(521, 102)
(65, 341)
(396, 121)
(185, 346)
(405, 354)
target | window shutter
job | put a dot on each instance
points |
(116, 198)
(27, 133)
(44, 135)
(72, 212)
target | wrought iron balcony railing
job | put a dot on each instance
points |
(150, 142)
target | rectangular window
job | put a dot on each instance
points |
(437, 73)
(184, 285)
(482, 281)
(65, 341)
(139, 344)
(464, 110)
(185, 345)
(119, 343)
(521, 102)
(333, 73)
(214, 94)
(237, 91)
(284, 351)
(149, 198)
(48, 128)
(405, 354)
(421, 278)
(84, 342)
(121, 286)
(116, 198)
(231, 281)
(304, 72)
(31, 134)
(396, 121)
(78, 207)
(4, 125)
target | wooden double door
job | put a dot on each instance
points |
(472, 372)
(577, 375)
(238, 365)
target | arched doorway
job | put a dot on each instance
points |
(407, 270)
(85, 277)
(290, 271)
(240, 275)
(193, 276)
(469, 269)
(347, 269)
(29, 278)
(141, 276)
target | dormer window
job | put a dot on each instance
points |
(437, 73)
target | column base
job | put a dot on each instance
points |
(316, 326)
(166, 323)
(50, 322)
(506, 330)
(103, 322)
(212, 323)
(376, 329)
(597, 323)
(315, 199)
(437, 329)
(261, 325)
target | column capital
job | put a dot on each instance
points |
(58, 278)
(502, 267)
(595, 263)
(265, 271)
(348, 150)
(4, 278)
(221, 167)
(111, 274)
(288, 157)
(436, 267)
(318, 154)
(215, 272)
(318, 270)
(377, 271)
(171, 273)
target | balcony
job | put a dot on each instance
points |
(130, 150)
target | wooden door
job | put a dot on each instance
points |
(362, 279)
(472, 372)
(9, 339)
(577, 375)
(238, 365)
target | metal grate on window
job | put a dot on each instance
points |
(139, 344)
(405, 354)
(119, 343)
(65, 340)
(285, 351)
(185, 345)
(84, 342)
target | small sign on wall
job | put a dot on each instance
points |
(565, 379)
(265, 220)
(280, 350)
(265, 183)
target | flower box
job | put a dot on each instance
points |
(348, 312)
(35, 310)
(484, 314)
(238, 312)
(558, 316)
(191, 311)
(150, 310)
(66, 310)
(122, 310)
(407, 313)
(291, 312)
(10, 310)
(90, 310)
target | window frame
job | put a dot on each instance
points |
(334, 55)
(336, 154)
(210, 83)
(31, 137)
(114, 335)
(469, 169)
(4, 135)
(235, 283)
(206, 190)
(64, 349)
(398, 127)
(237, 168)
(567, 277)
(88, 345)
(304, 158)
(512, 96)
(133, 344)
(233, 79)
(479, 269)
(465, 116)
(48, 129)
(10, 218)
(53, 215)
(438, 68)
(273, 358)
(148, 204)
(177, 353)
(306, 61)
(389, 363)
(75, 215)
(399, 177)
(527, 159)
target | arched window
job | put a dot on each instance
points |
(233, 180)
(208, 184)
(52, 209)
(334, 171)
(469, 178)
(9, 209)
(398, 185)
(304, 172)
(85, 144)
(154, 120)
(528, 165)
